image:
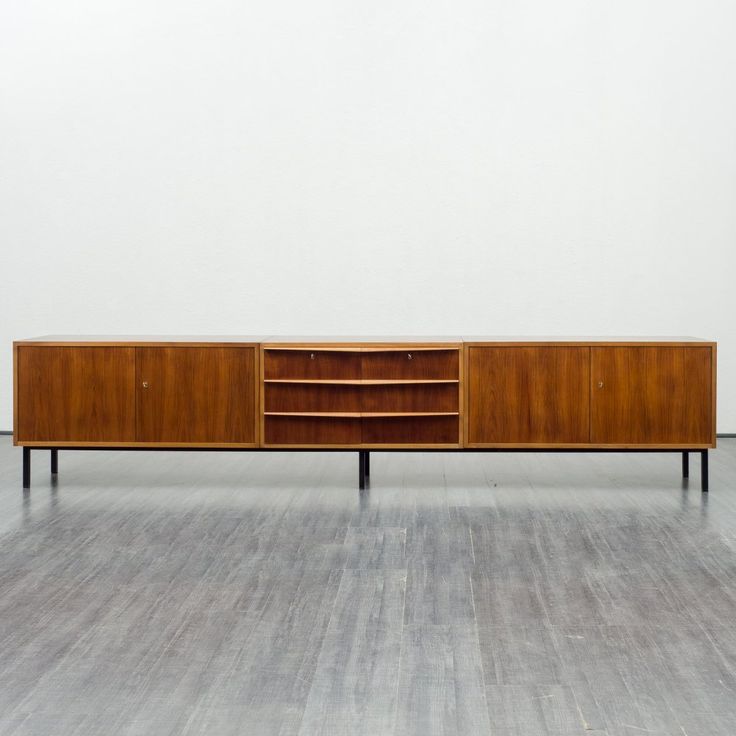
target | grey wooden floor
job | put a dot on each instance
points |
(203, 593)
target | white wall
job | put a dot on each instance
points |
(443, 166)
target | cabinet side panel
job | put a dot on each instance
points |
(75, 394)
(534, 395)
(714, 392)
(15, 394)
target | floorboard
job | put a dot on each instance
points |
(156, 594)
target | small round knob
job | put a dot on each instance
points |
(600, 384)
(145, 384)
(408, 355)
(311, 356)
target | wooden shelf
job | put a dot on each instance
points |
(371, 414)
(342, 349)
(342, 414)
(358, 415)
(362, 381)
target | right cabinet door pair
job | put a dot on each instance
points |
(547, 395)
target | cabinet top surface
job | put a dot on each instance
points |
(115, 339)
(364, 339)
(361, 339)
(584, 339)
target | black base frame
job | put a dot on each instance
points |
(364, 461)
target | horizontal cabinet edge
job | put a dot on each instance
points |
(51, 444)
(588, 446)
(360, 415)
(363, 381)
(593, 344)
(133, 445)
(339, 348)
(253, 345)
(358, 348)
(367, 446)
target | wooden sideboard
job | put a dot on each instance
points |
(456, 394)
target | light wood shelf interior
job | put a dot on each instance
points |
(392, 349)
(357, 414)
(362, 381)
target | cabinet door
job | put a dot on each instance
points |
(651, 395)
(196, 395)
(75, 394)
(528, 395)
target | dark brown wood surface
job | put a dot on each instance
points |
(312, 397)
(408, 364)
(311, 363)
(366, 395)
(196, 394)
(650, 395)
(281, 430)
(144, 340)
(528, 395)
(410, 397)
(75, 394)
(300, 397)
(410, 430)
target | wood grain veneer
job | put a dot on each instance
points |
(305, 430)
(360, 381)
(312, 397)
(225, 392)
(528, 395)
(311, 363)
(410, 430)
(204, 394)
(411, 397)
(417, 384)
(411, 364)
(75, 394)
(356, 414)
(651, 394)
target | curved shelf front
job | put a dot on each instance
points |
(359, 415)
(363, 381)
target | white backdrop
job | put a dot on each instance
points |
(443, 166)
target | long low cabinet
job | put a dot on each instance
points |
(363, 394)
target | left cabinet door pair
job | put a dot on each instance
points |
(120, 394)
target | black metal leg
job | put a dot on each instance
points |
(367, 463)
(54, 462)
(685, 465)
(704, 471)
(26, 467)
(361, 470)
